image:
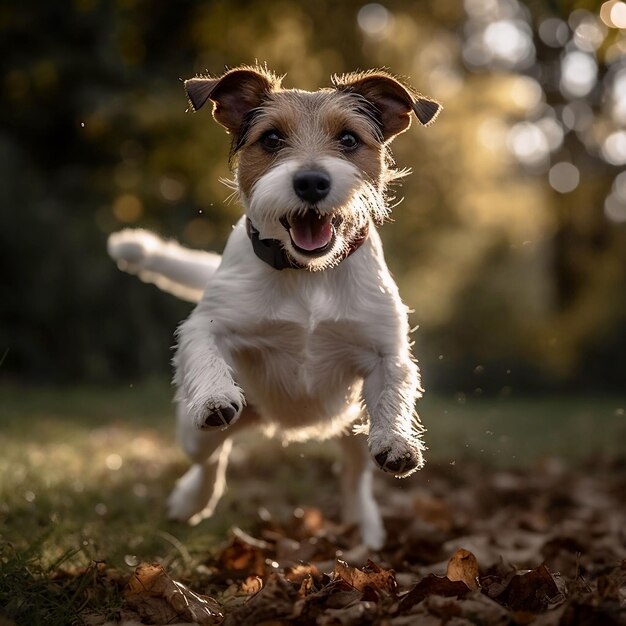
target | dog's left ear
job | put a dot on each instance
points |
(393, 101)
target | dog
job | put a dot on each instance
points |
(299, 327)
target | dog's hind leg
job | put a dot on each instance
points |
(358, 503)
(171, 267)
(199, 490)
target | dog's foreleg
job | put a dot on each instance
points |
(199, 490)
(358, 504)
(390, 391)
(212, 399)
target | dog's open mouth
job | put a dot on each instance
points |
(311, 233)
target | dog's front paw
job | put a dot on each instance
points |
(219, 414)
(395, 455)
(218, 411)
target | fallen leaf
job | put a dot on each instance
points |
(274, 602)
(371, 577)
(463, 565)
(242, 556)
(529, 591)
(157, 597)
(251, 585)
(337, 594)
(299, 573)
(433, 585)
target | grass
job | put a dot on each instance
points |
(84, 474)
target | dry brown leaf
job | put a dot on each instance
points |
(312, 521)
(531, 591)
(242, 556)
(463, 565)
(337, 594)
(157, 597)
(433, 585)
(371, 577)
(273, 603)
(302, 572)
(251, 585)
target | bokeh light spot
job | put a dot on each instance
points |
(619, 186)
(579, 73)
(618, 15)
(577, 116)
(114, 462)
(564, 177)
(127, 208)
(528, 143)
(171, 189)
(615, 209)
(199, 232)
(373, 19)
(554, 32)
(614, 148)
(509, 41)
(589, 34)
(526, 92)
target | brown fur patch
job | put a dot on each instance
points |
(311, 124)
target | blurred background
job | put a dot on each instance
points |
(510, 245)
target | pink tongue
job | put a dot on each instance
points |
(311, 232)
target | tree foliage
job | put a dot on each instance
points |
(510, 244)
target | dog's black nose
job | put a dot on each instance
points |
(311, 185)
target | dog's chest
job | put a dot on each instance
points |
(300, 340)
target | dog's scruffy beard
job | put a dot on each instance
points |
(331, 225)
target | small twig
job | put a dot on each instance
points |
(178, 545)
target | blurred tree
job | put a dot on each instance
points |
(510, 245)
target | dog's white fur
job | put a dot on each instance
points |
(300, 352)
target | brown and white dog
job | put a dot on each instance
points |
(299, 326)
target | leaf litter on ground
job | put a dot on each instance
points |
(542, 547)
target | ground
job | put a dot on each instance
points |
(534, 490)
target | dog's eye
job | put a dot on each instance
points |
(348, 141)
(272, 141)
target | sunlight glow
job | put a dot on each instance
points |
(498, 35)
(618, 15)
(553, 132)
(113, 462)
(509, 42)
(526, 92)
(579, 73)
(528, 143)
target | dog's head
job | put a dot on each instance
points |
(312, 167)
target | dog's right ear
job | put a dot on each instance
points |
(233, 95)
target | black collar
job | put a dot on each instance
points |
(271, 251)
